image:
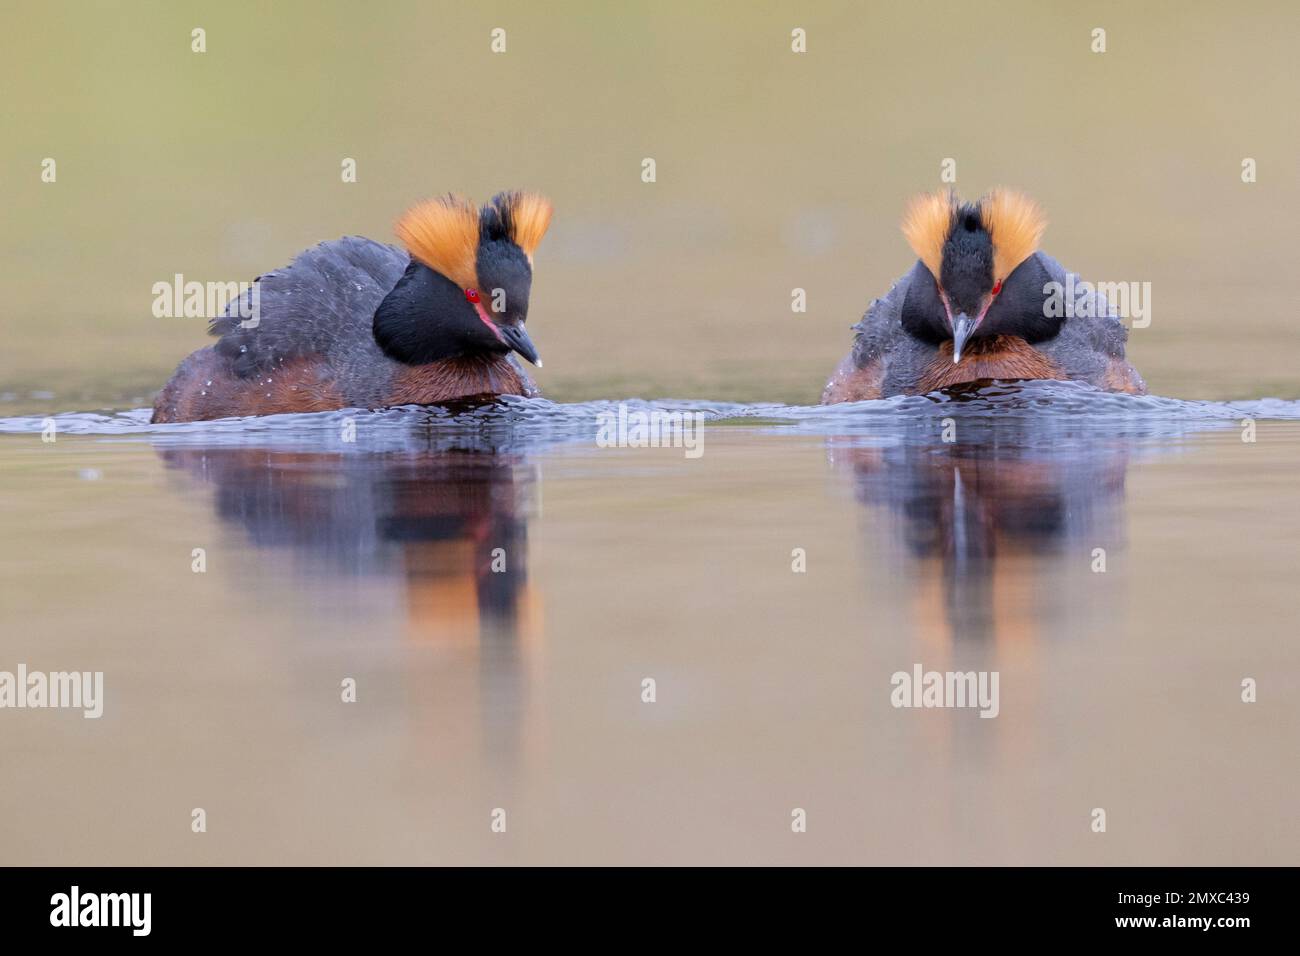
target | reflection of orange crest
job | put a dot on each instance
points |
(442, 592)
(981, 522)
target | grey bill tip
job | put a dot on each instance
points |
(518, 340)
(962, 327)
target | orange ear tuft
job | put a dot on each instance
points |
(443, 234)
(531, 215)
(927, 222)
(523, 217)
(1015, 224)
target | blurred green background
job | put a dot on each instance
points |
(775, 170)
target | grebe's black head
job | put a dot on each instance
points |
(467, 286)
(966, 268)
(973, 252)
(510, 227)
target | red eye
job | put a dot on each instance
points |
(997, 287)
(472, 295)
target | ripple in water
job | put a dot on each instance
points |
(1016, 412)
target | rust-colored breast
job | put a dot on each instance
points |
(1120, 376)
(455, 378)
(1002, 356)
(204, 388)
(849, 383)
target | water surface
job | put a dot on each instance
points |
(518, 685)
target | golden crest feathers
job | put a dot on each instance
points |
(521, 217)
(443, 233)
(1015, 223)
(927, 221)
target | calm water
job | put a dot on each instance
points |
(521, 688)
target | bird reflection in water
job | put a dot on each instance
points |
(996, 531)
(447, 526)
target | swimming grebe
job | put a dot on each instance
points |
(357, 323)
(981, 303)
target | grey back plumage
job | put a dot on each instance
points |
(1090, 340)
(323, 303)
